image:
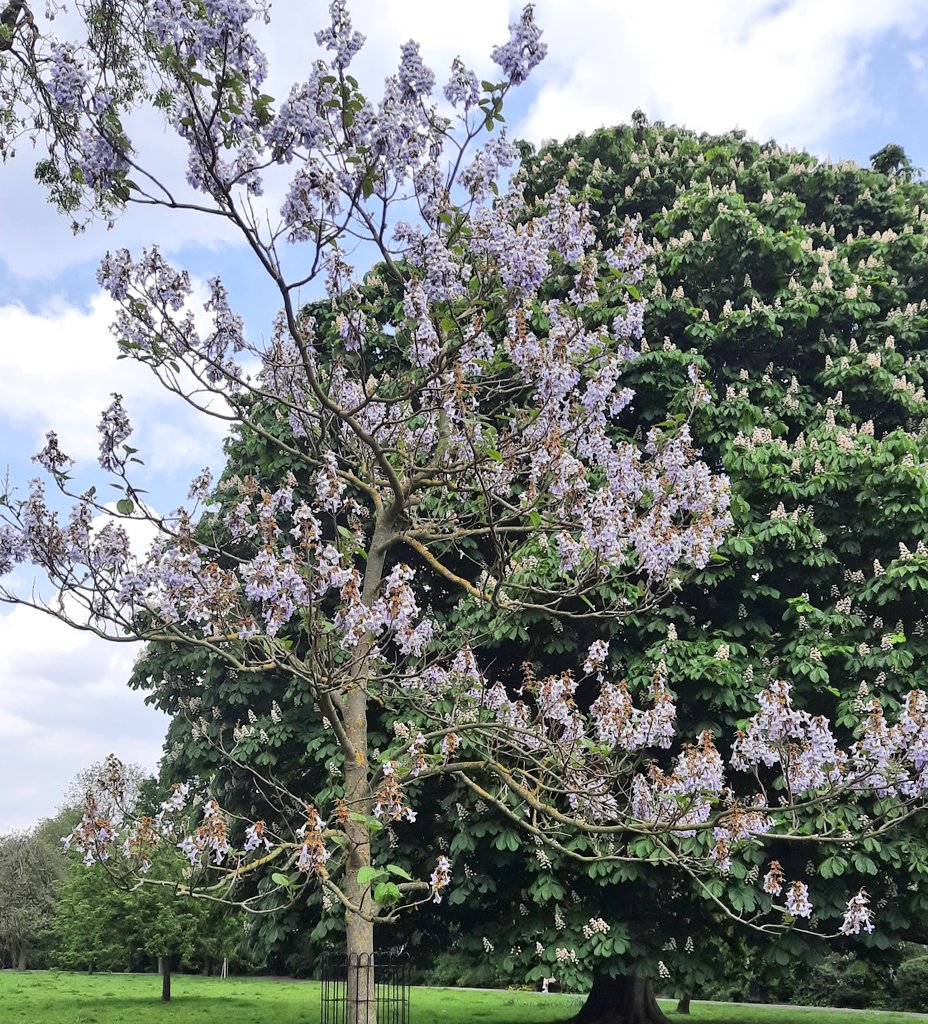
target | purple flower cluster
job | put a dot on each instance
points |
(51, 458)
(686, 796)
(416, 80)
(210, 838)
(339, 37)
(114, 428)
(440, 878)
(256, 837)
(313, 853)
(275, 582)
(93, 835)
(213, 27)
(617, 723)
(102, 160)
(68, 80)
(779, 734)
(462, 89)
(226, 337)
(524, 49)
(797, 900)
(857, 916)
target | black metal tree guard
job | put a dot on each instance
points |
(390, 987)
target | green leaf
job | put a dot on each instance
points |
(373, 825)
(387, 893)
(125, 506)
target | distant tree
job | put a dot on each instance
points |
(136, 783)
(100, 926)
(31, 865)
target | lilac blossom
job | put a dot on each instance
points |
(773, 879)
(51, 458)
(340, 37)
(200, 486)
(329, 486)
(462, 89)
(390, 799)
(440, 878)
(255, 837)
(102, 160)
(619, 724)
(416, 80)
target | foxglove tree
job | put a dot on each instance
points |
(458, 417)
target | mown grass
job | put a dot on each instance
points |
(60, 998)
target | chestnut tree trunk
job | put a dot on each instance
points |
(627, 1000)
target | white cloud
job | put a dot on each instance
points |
(63, 705)
(59, 368)
(793, 69)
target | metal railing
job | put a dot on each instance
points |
(355, 985)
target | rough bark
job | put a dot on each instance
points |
(627, 1000)
(21, 962)
(683, 1006)
(164, 969)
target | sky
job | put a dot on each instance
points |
(839, 77)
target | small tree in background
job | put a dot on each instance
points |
(100, 926)
(106, 919)
(31, 867)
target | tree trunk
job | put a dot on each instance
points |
(21, 962)
(207, 966)
(164, 969)
(620, 1001)
(683, 1006)
(359, 932)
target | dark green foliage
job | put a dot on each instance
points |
(912, 984)
(839, 979)
(99, 926)
(453, 970)
(31, 866)
(842, 980)
(799, 290)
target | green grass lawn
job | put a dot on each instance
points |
(58, 998)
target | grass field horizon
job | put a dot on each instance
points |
(59, 997)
